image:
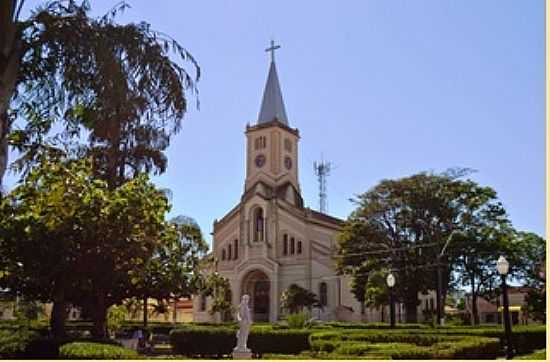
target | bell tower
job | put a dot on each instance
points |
(272, 145)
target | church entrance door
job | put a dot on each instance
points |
(257, 285)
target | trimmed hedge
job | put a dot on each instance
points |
(376, 344)
(524, 338)
(359, 325)
(203, 341)
(537, 355)
(14, 342)
(48, 348)
(87, 350)
(220, 341)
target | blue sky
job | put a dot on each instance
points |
(383, 89)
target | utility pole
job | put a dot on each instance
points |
(439, 281)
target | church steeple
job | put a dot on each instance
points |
(273, 107)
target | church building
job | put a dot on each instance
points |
(270, 240)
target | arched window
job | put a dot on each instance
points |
(259, 143)
(292, 246)
(285, 244)
(259, 224)
(299, 250)
(229, 248)
(323, 294)
(223, 254)
(236, 242)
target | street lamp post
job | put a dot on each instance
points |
(502, 268)
(390, 280)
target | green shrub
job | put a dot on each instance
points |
(524, 338)
(467, 348)
(297, 320)
(220, 341)
(14, 341)
(115, 318)
(377, 325)
(353, 349)
(48, 348)
(86, 350)
(319, 345)
(203, 340)
(403, 345)
(537, 355)
(285, 341)
(527, 338)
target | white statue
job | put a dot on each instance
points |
(244, 319)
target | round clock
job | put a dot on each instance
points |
(288, 163)
(260, 160)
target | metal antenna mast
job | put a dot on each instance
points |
(322, 171)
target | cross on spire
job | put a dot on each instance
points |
(272, 49)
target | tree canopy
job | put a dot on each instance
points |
(67, 237)
(402, 225)
(115, 83)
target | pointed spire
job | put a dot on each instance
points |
(273, 107)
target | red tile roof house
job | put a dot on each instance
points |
(490, 312)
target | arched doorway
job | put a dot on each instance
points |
(257, 285)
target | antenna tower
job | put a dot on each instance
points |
(322, 171)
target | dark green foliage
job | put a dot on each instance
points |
(295, 298)
(403, 224)
(203, 341)
(403, 345)
(48, 348)
(220, 341)
(537, 355)
(297, 320)
(351, 325)
(87, 350)
(14, 342)
(94, 244)
(219, 289)
(321, 345)
(354, 349)
(289, 341)
(525, 338)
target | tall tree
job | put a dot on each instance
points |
(532, 271)
(172, 272)
(11, 50)
(376, 291)
(38, 243)
(116, 81)
(359, 288)
(69, 238)
(219, 289)
(485, 234)
(403, 225)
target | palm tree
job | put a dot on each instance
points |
(116, 81)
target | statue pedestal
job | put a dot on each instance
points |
(242, 355)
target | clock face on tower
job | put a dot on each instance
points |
(260, 160)
(288, 163)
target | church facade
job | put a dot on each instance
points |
(270, 240)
